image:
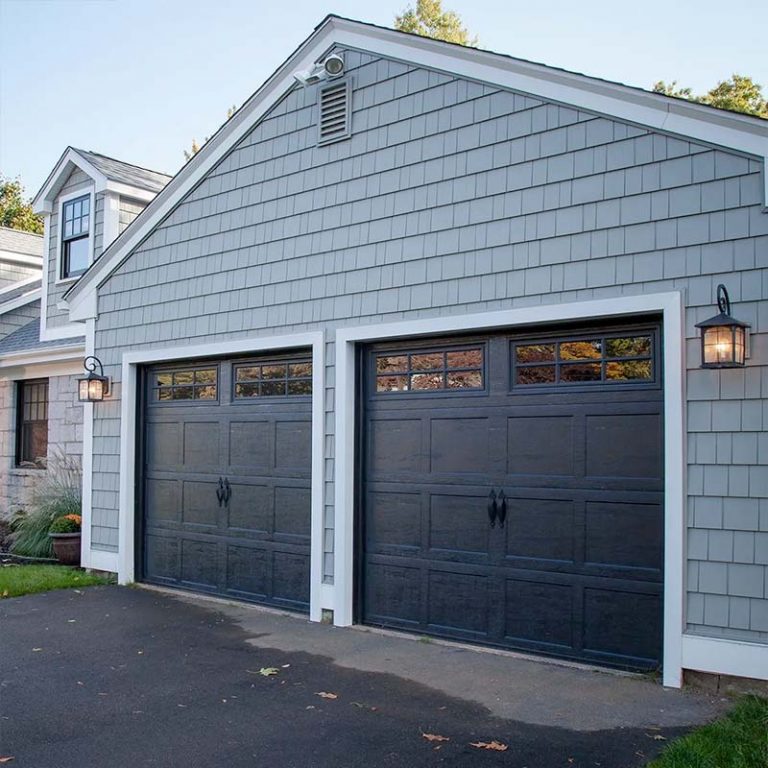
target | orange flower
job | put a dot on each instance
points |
(74, 518)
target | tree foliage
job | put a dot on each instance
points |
(15, 211)
(428, 19)
(195, 147)
(739, 94)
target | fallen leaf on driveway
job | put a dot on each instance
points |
(434, 737)
(656, 736)
(6, 759)
(35, 650)
(269, 671)
(325, 695)
(495, 745)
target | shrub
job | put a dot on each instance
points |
(57, 495)
(66, 524)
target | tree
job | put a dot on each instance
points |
(195, 148)
(15, 211)
(428, 19)
(739, 94)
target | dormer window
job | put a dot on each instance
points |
(75, 250)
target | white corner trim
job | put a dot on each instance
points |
(100, 560)
(70, 159)
(111, 228)
(21, 301)
(725, 657)
(670, 305)
(128, 437)
(86, 558)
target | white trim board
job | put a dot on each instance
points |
(25, 259)
(128, 395)
(70, 159)
(31, 369)
(23, 300)
(670, 305)
(676, 116)
(725, 657)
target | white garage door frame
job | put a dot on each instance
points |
(669, 305)
(132, 361)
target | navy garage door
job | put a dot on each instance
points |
(513, 492)
(226, 467)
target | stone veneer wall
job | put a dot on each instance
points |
(65, 434)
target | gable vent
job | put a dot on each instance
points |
(334, 112)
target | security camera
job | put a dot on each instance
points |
(334, 65)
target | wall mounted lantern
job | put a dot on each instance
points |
(723, 338)
(95, 386)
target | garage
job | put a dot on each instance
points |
(226, 467)
(512, 491)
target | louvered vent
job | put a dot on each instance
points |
(334, 112)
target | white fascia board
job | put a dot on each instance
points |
(42, 370)
(43, 201)
(67, 331)
(25, 259)
(35, 357)
(15, 286)
(21, 301)
(725, 657)
(692, 121)
(128, 190)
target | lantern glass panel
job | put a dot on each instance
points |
(724, 345)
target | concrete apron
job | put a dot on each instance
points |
(509, 685)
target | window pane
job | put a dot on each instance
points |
(86, 203)
(427, 381)
(183, 393)
(465, 358)
(300, 387)
(465, 380)
(68, 211)
(67, 229)
(273, 388)
(430, 362)
(273, 372)
(391, 364)
(206, 392)
(165, 394)
(84, 224)
(206, 376)
(183, 377)
(580, 372)
(535, 353)
(391, 383)
(628, 346)
(246, 390)
(299, 369)
(580, 350)
(77, 208)
(629, 370)
(76, 257)
(248, 373)
(163, 379)
(536, 374)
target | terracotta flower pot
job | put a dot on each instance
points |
(66, 547)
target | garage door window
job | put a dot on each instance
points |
(187, 384)
(281, 378)
(596, 360)
(446, 369)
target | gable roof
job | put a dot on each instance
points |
(107, 173)
(27, 339)
(20, 293)
(730, 130)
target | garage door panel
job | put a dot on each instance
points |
(539, 612)
(458, 524)
(163, 498)
(163, 444)
(622, 623)
(459, 445)
(293, 445)
(624, 535)
(540, 445)
(624, 445)
(161, 555)
(394, 521)
(291, 505)
(201, 445)
(200, 508)
(394, 445)
(290, 577)
(393, 594)
(251, 445)
(250, 509)
(248, 572)
(541, 529)
(199, 563)
(458, 603)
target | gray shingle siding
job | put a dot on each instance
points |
(129, 210)
(18, 318)
(451, 197)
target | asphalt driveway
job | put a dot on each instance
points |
(112, 677)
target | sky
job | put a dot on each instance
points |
(138, 79)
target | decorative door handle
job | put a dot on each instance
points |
(492, 508)
(227, 492)
(502, 508)
(220, 491)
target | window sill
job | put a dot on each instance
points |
(27, 471)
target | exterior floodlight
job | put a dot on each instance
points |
(334, 65)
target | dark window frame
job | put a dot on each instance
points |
(195, 386)
(67, 240)
(286, 380)
(24, 425)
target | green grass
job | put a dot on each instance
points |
(739, 740)
(16, 580)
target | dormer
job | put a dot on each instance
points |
(86, 201)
